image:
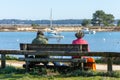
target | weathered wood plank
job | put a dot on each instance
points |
(60, 53)
(55, 60)
(55, 47)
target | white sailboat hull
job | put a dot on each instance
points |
(87, 31)
(52, 35)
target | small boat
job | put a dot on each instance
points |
(53, 35)
(87, 31)
(52, 32)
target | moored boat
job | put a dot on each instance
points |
(52, 32)
(87, 31)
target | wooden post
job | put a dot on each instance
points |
(27, 66)
(3, 61)
(109, 64)
(24, 47)
(81, 64)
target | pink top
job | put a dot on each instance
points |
(79, 41)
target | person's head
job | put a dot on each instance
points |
(79, 34)
(40, 33)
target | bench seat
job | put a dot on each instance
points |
(54, 48)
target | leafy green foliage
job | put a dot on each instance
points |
(86, 22)
(118, 23)
(12, 73)
(94, 73)
(100, 18)
(11, 57)
(34, 25)
(11, 69)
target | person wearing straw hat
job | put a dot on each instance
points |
(90, 61)
(79, 35)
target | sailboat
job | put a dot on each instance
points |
(52, 32)
(87, 31)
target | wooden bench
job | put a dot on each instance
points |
(108, 55)
(54, 50)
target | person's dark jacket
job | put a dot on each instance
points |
(40, 39)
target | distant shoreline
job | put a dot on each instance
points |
(61, 29)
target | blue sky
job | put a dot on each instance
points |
(61, 9)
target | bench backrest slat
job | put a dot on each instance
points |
(54, 47)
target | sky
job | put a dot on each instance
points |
(61, 9)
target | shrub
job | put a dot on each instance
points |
(94, 73)
(11, 69)
(11, 58)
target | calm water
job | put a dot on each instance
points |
(101, 41)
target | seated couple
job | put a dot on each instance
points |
(41, 39)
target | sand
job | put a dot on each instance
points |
(103, 67)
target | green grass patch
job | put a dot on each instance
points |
(45, 77)
(11, 69)
(12, 73)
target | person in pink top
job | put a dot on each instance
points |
(79, 35)
(90, 61)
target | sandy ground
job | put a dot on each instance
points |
(103, 67)
(99, 67)
(15, 63)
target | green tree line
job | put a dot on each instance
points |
(99, 18)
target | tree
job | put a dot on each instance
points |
(118, 23)
(86, 22)
(34, 25)
(108, 20)
(98, 18)
(101, 18)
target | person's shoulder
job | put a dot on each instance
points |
(85, 41)
(34, 41)
(73, 42)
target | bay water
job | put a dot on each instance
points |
(100, 42)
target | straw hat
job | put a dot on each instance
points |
(79, 34)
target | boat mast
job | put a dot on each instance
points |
(51, 19)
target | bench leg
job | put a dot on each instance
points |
(3, 61)
(27, 66)
(109, 64)
(82, 66)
